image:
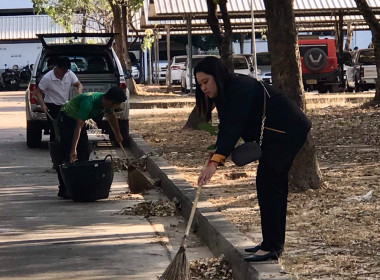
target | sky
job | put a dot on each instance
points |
(15, 4)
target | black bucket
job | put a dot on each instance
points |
(88, 180)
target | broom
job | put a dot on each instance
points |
(179, 268)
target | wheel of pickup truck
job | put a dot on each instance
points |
(357, 86)
(33, 134)
(348, 88)
(315, 59)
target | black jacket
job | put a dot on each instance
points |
(240, 113)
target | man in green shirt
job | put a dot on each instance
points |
(71, 120)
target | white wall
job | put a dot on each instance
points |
(18, 53)
(261, 46)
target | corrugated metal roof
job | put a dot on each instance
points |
(310, 14)
(170, 7)
(26, 27)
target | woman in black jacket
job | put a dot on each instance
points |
(240, 104)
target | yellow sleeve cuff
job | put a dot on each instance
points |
(218, 158)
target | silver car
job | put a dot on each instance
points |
(241, 66)
(81, 49)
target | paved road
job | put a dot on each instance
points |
(44, 237)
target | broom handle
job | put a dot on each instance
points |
(192, 213)
(113, 129)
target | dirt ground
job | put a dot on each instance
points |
(333, 232)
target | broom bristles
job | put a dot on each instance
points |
(179, 268)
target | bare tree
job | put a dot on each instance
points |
(374, 25)
(224, 38)
(287, 76)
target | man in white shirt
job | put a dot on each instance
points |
(55, 86)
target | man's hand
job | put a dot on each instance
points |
(44, 108)
(73, 155)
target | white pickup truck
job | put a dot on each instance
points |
(362, 72)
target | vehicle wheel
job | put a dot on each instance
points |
(348, 88)
(322, 89)
(33, 135)
(183, 90)
(357, 86)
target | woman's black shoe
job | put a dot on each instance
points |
(253, 249)
(273, 255)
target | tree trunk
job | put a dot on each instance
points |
(374, 25)
(242, 37)
(225, 39)
(349, 36)
(117, 25)
(131, 85)
(286, 75)
(225, 48)
(194, 119)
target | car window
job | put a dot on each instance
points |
(87, 63)
(180, 59)
(263, 59)
(240, 63)
(196, 61)
(367, 57)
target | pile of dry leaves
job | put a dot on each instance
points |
(160, 208)
(332, 233)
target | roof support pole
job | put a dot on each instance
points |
(253, 41)
(168, 78)
(190, 51)
(340, 47)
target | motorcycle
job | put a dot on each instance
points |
(25, 76)
(11, 78)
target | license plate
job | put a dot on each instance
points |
(311, 82)
(13, 82)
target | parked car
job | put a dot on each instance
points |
(362, 72)
(241, 66)
(264, 71)
(160, 75)
(96, 66)
(136, 68)
(319, 64)
(176, 68)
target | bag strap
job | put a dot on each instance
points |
(264, 108)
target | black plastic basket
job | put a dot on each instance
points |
(88, 180)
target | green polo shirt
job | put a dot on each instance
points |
(85, 106)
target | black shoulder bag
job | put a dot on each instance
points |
(250, 151)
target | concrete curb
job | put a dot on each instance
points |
(310, 99)
(219, 234)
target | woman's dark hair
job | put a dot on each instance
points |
(115, 95)
(63, 62)
(213, 66)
